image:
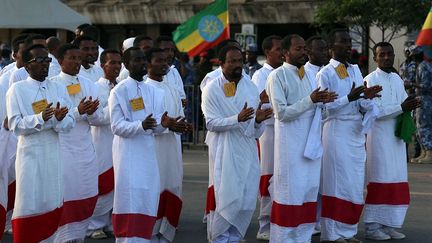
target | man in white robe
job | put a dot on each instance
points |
(173, 76)
(388, 196)
(298, 150)
(53, 43)
(21, 73)
(317, 51)
(39, 166)
(102, 140)
(6, 135)
(136, 111)
(89, 55)
(343, 137)
(81, 168)
(229, 104)
(168, 151)
(272, 49)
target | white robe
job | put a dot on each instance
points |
(9, 154)
(39, 167)
(124, 74)
(169, 157)
(136, 172)
(344, 155)
(18, 75)
(80, 165)
(7, 68)
(173, 77)
(94, 73)
(266, 142)
(386, 168)
(296, 178)
(102, 141)
(54, 66)
(233, 155)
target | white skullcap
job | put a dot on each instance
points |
(128, 43)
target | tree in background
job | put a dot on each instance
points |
(394, 18)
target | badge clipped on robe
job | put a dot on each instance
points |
(74, 89)
(341, 71)
(301, 72)
(137, 104)
(230, 89)
(39, 106)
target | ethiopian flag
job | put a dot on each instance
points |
(425, 36)
(203, 30)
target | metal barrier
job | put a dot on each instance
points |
(194, 115)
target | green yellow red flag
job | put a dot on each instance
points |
(425, 36)
(204, 30)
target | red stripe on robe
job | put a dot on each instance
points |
(77, 210)
(211, 200)
(33, 229)
(2, 220)
(170, 207)
(106, 182)
(11, 195)
(264, 185)
(340, 210)
(293, 215)
(133, 225)
(388, 193)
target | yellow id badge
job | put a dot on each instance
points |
(230, 89)
(137, 104)
(301, 72)
(73, 89)
(341, 71)
(39, 106)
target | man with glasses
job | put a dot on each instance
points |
(38, 109)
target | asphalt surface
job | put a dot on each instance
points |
(417, 227)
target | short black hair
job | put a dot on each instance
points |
(150, 52)
(91, 31)
(267, 43)
(82, 26)
(224, 43)
(104, 54)
(332, 35)
(82, 38)
(31, 37)
(223, 52)
(286, 41)
(17, 41)
(140, 38)
(64, 48)
(127, 54)
(380, 44)
(310, 40)
(163, 38)
(27, 56)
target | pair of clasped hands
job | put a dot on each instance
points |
(177, 124)
(317, 96)
(86, 106)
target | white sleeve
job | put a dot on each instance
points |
(324, 83)
(18, 123)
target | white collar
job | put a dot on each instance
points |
(268, 66)
(290, 66)
(42, 84)
(312, 66)
(67, 77)
(335, 63)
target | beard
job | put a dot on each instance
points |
(236, 73)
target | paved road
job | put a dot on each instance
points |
(418, 224)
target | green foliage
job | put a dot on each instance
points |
(390, 16)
